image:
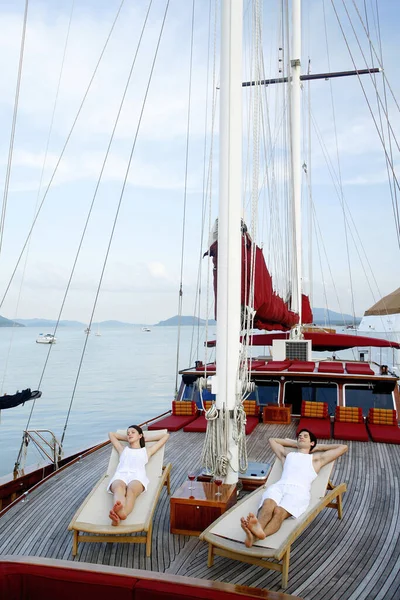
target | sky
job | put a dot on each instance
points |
(141, 262)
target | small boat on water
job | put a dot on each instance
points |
(146, 329)
(47, 338)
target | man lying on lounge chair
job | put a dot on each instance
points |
(290, 496)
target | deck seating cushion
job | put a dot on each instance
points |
(349, 424)
(184, 407)
(302, 366)
(388, 434)
(161, 590)
(198, 425)
(251, 424)
(382, 425)
(350, 431)
(333, 366)
(277, 365)
(359, 369)
(321, 428)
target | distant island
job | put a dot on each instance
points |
(174, 321)
(321, 317)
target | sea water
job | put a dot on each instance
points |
(127, 376)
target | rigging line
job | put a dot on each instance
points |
(372, 75)
(62, 153)
(14, 122)
(92, 205)
(372, 115)
(392, 187)
(332, 173)
(116, 215)
(42, 172)
(180, 300)
(378, 58)
(359, 78)
(203, 204)
(340, 181)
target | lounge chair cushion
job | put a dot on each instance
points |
(321, 428)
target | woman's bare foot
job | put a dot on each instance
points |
(255, 527)
(249, 536)
(115, 520)
(118, 508)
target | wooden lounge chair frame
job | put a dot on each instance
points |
(262, 556)
(109, 533)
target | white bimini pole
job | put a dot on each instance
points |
(229, 231)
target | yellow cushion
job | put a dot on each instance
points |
(317, 410)
(251, 408)
(348, 414)
(183, 407)
(382, 416)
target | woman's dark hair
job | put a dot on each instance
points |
(140, 432)
(312, 438)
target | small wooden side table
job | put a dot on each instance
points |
(194, 510)
(273, 413)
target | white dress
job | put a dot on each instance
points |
(293, 491)
(131, 467)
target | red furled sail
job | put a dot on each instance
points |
(272, 312)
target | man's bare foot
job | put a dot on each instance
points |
(118, 508)
(249, 536)
(255, 527)
(115, 520)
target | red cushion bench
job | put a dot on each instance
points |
(382, 425)
(334, 366)
(302, 366)
(183, 413)
(359, 369)
(349, 424)
(315, 418)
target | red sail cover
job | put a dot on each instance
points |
(327, 341)
(272, 312)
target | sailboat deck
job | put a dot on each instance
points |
(356, 558)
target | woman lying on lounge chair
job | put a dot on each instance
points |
(290, 496)
(130, 478)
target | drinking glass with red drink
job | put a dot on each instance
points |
(218, 482)
(191, 477)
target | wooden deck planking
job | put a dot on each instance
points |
(355, 558)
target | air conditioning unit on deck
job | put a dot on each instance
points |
(291, 350)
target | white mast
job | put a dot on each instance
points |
(295, 114)
(229, 234)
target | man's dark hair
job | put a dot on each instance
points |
(312, 438)
(140, 432)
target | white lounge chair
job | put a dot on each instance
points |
(92, 516)
(226, 537)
